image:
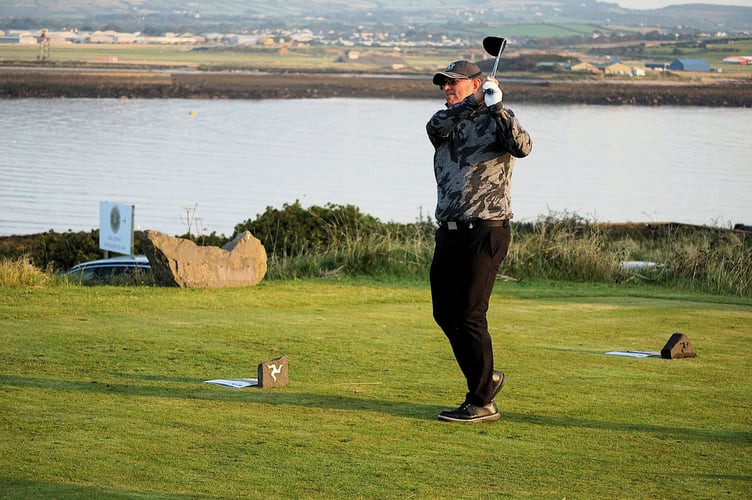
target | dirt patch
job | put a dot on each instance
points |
(71, 83)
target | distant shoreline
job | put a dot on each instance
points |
(24, 82)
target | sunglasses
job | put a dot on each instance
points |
(453, 81)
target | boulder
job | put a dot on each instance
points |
(180, 262)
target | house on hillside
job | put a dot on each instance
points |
(26, 39)
(698, 65)
(617, 69)
(582, 67)
(393, 61)
(550, 66)
(234, 39)
(743, 60)
(125, 38)
(102, 37)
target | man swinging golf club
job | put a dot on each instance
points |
(476, 140)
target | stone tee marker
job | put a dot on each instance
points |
(180, 262)
(678, 346)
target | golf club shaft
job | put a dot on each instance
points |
(498, 57)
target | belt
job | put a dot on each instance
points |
(472, 224)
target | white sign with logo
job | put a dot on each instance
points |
(116, 227)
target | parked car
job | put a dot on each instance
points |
(125, 267)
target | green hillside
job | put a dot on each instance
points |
(444, 15)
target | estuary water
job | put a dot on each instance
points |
(212, 164)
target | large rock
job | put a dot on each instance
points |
(180, 262)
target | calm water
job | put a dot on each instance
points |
(224, 162)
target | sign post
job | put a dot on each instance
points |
(116, 227)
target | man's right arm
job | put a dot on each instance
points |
(443, 122)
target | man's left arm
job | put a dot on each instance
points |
(509, 132)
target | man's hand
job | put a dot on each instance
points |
(492, 92)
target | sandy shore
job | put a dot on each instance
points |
(16, 82)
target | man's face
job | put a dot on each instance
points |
(456, 90)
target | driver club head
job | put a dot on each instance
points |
(494, 45)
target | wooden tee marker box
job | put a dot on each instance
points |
(273, 373)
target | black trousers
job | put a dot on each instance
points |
(463, 270)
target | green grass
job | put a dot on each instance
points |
(550, 30)
(101, 394)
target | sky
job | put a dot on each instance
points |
(656, 4)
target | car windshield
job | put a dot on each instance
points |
(118, 270)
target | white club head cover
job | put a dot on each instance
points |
(492, 93)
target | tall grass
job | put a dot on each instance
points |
(556, 247)
(21, 272)
(340, 241)
(717, 265)
(569, 248)
(563, 249)
(401, 251)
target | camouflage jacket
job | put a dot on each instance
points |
(475, 149)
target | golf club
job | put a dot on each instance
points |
(494, 45)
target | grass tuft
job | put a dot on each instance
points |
(21, 272)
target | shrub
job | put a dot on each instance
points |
(338, 240)
(295, 230)
(63, 250)
(58, 251)
(207, 240)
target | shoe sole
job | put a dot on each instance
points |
(485, 418)
(500, 386)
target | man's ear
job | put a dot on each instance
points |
(477, 82)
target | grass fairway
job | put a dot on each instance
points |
(101, 394)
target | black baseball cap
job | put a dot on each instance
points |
(458, 70)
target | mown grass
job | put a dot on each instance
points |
(102, 394)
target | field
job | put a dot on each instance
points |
(102, 394)
(420, 61)
(133, 71)
(317, 59)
